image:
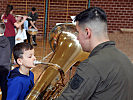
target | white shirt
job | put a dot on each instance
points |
(21, 35)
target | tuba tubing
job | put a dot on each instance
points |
(67, 53)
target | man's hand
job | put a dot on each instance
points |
(36, 28)
(30, 27)
(25, 17)
(32, 23)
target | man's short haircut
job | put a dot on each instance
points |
(33, 9)
(90, 14)
(2, 28)
(19, 49)
(94, 18)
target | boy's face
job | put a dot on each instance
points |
(28, 59)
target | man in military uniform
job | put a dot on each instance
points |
(107, 74)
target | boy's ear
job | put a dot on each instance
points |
(19, 61)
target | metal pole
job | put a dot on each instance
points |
(88, 3)
(46, 10)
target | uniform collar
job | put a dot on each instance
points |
(101, 46)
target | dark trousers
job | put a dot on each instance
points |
(12, 43)
(34, 38)
(3, 82)
(28, 37)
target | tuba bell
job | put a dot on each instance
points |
(67, 52)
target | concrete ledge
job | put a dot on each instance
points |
(126, 30)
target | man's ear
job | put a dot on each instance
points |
(19, 61)
(88, 32)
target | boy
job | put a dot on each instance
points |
(21, 79)
(4, 60)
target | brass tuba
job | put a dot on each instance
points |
(67, 51)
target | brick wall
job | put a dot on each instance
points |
(3, 4)
(119, 13)
(22, 7)
(59, 11)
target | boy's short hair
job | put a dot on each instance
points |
(2, 28)
(19, 49)
(33, 9)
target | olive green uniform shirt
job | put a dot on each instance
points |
(107, 74)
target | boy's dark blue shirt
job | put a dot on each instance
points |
(19, 85)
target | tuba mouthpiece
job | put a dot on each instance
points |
(37, 62)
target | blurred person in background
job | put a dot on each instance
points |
(10, 21)
(32, 24)
(4, 60)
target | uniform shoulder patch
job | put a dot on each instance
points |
(76, 81)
